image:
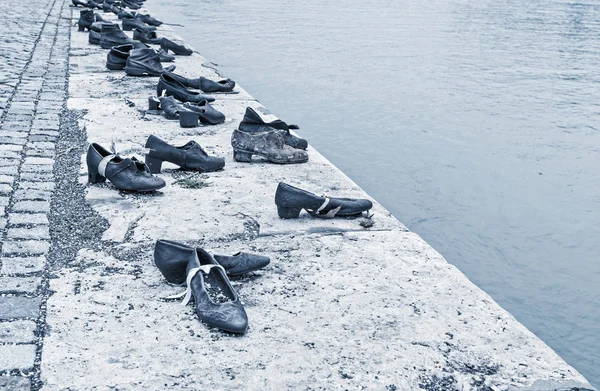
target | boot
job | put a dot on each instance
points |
(145, 62)
(268, 144)
(112, 35)
(86, 18)
(130, 4)
(171, 87)
(123, 173)
(252, 122)
(205, 84)
(172, 258)
(190, 156)
(176, 48)
(145, 36)
(117, 57)
(291, 200)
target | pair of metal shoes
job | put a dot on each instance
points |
(271, 140)
(189, 114)
(131, 174)
(206, 277)
(118, 56)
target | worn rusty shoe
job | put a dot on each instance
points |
(190, 156)
(268, 144)
(116, 58)
(123, 173)
(94, 37)
(252, 122)
(172, 258)
(168, 86)
(204, 84)
(216, 302)
(112, 35)
(149, 20)
(132, 23)
(145, 36)
(145, 62)
(207, 114)
(179, 49)
(86, 18)
(291, 200)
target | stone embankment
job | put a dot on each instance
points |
(341, 306)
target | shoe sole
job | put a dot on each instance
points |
(239, 155)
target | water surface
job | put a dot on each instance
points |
(476, 123)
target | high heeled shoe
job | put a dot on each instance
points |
(172, 258)
(123, 173)
(179, 49)
(206, 113)
(291, 200)
(190, 156)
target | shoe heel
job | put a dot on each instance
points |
(154, 164)
(153, 103)
(288, 212)
(94, 177)
(188, 119)
(81, 28)
(242, 156)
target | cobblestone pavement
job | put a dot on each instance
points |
(33, 76)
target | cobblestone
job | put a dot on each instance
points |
(25, 184)
(29, 247)
(22, 265)
(17, 356)
(19, 284)
(19, 331)
(31, 194)
(27, 218)
(39, 232)
(19, 307)
(15, 383)
(32, 206)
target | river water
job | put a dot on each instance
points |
(476, 123)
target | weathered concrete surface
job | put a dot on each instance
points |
(340, 306)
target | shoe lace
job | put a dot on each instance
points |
(187, 294)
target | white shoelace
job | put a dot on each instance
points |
(188, 291)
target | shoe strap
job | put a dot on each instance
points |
(187, 295)
(104, 163)
(330, 214)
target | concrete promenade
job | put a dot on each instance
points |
(340, 306)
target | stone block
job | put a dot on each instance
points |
(37, 232)
(29, 247)
(22, 265)
(27, 218)
(17, 357)
(15, 383)
(19, 284)
(19, 331)
(19, 307)
(31, 206)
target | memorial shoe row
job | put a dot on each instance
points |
(179, 98)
